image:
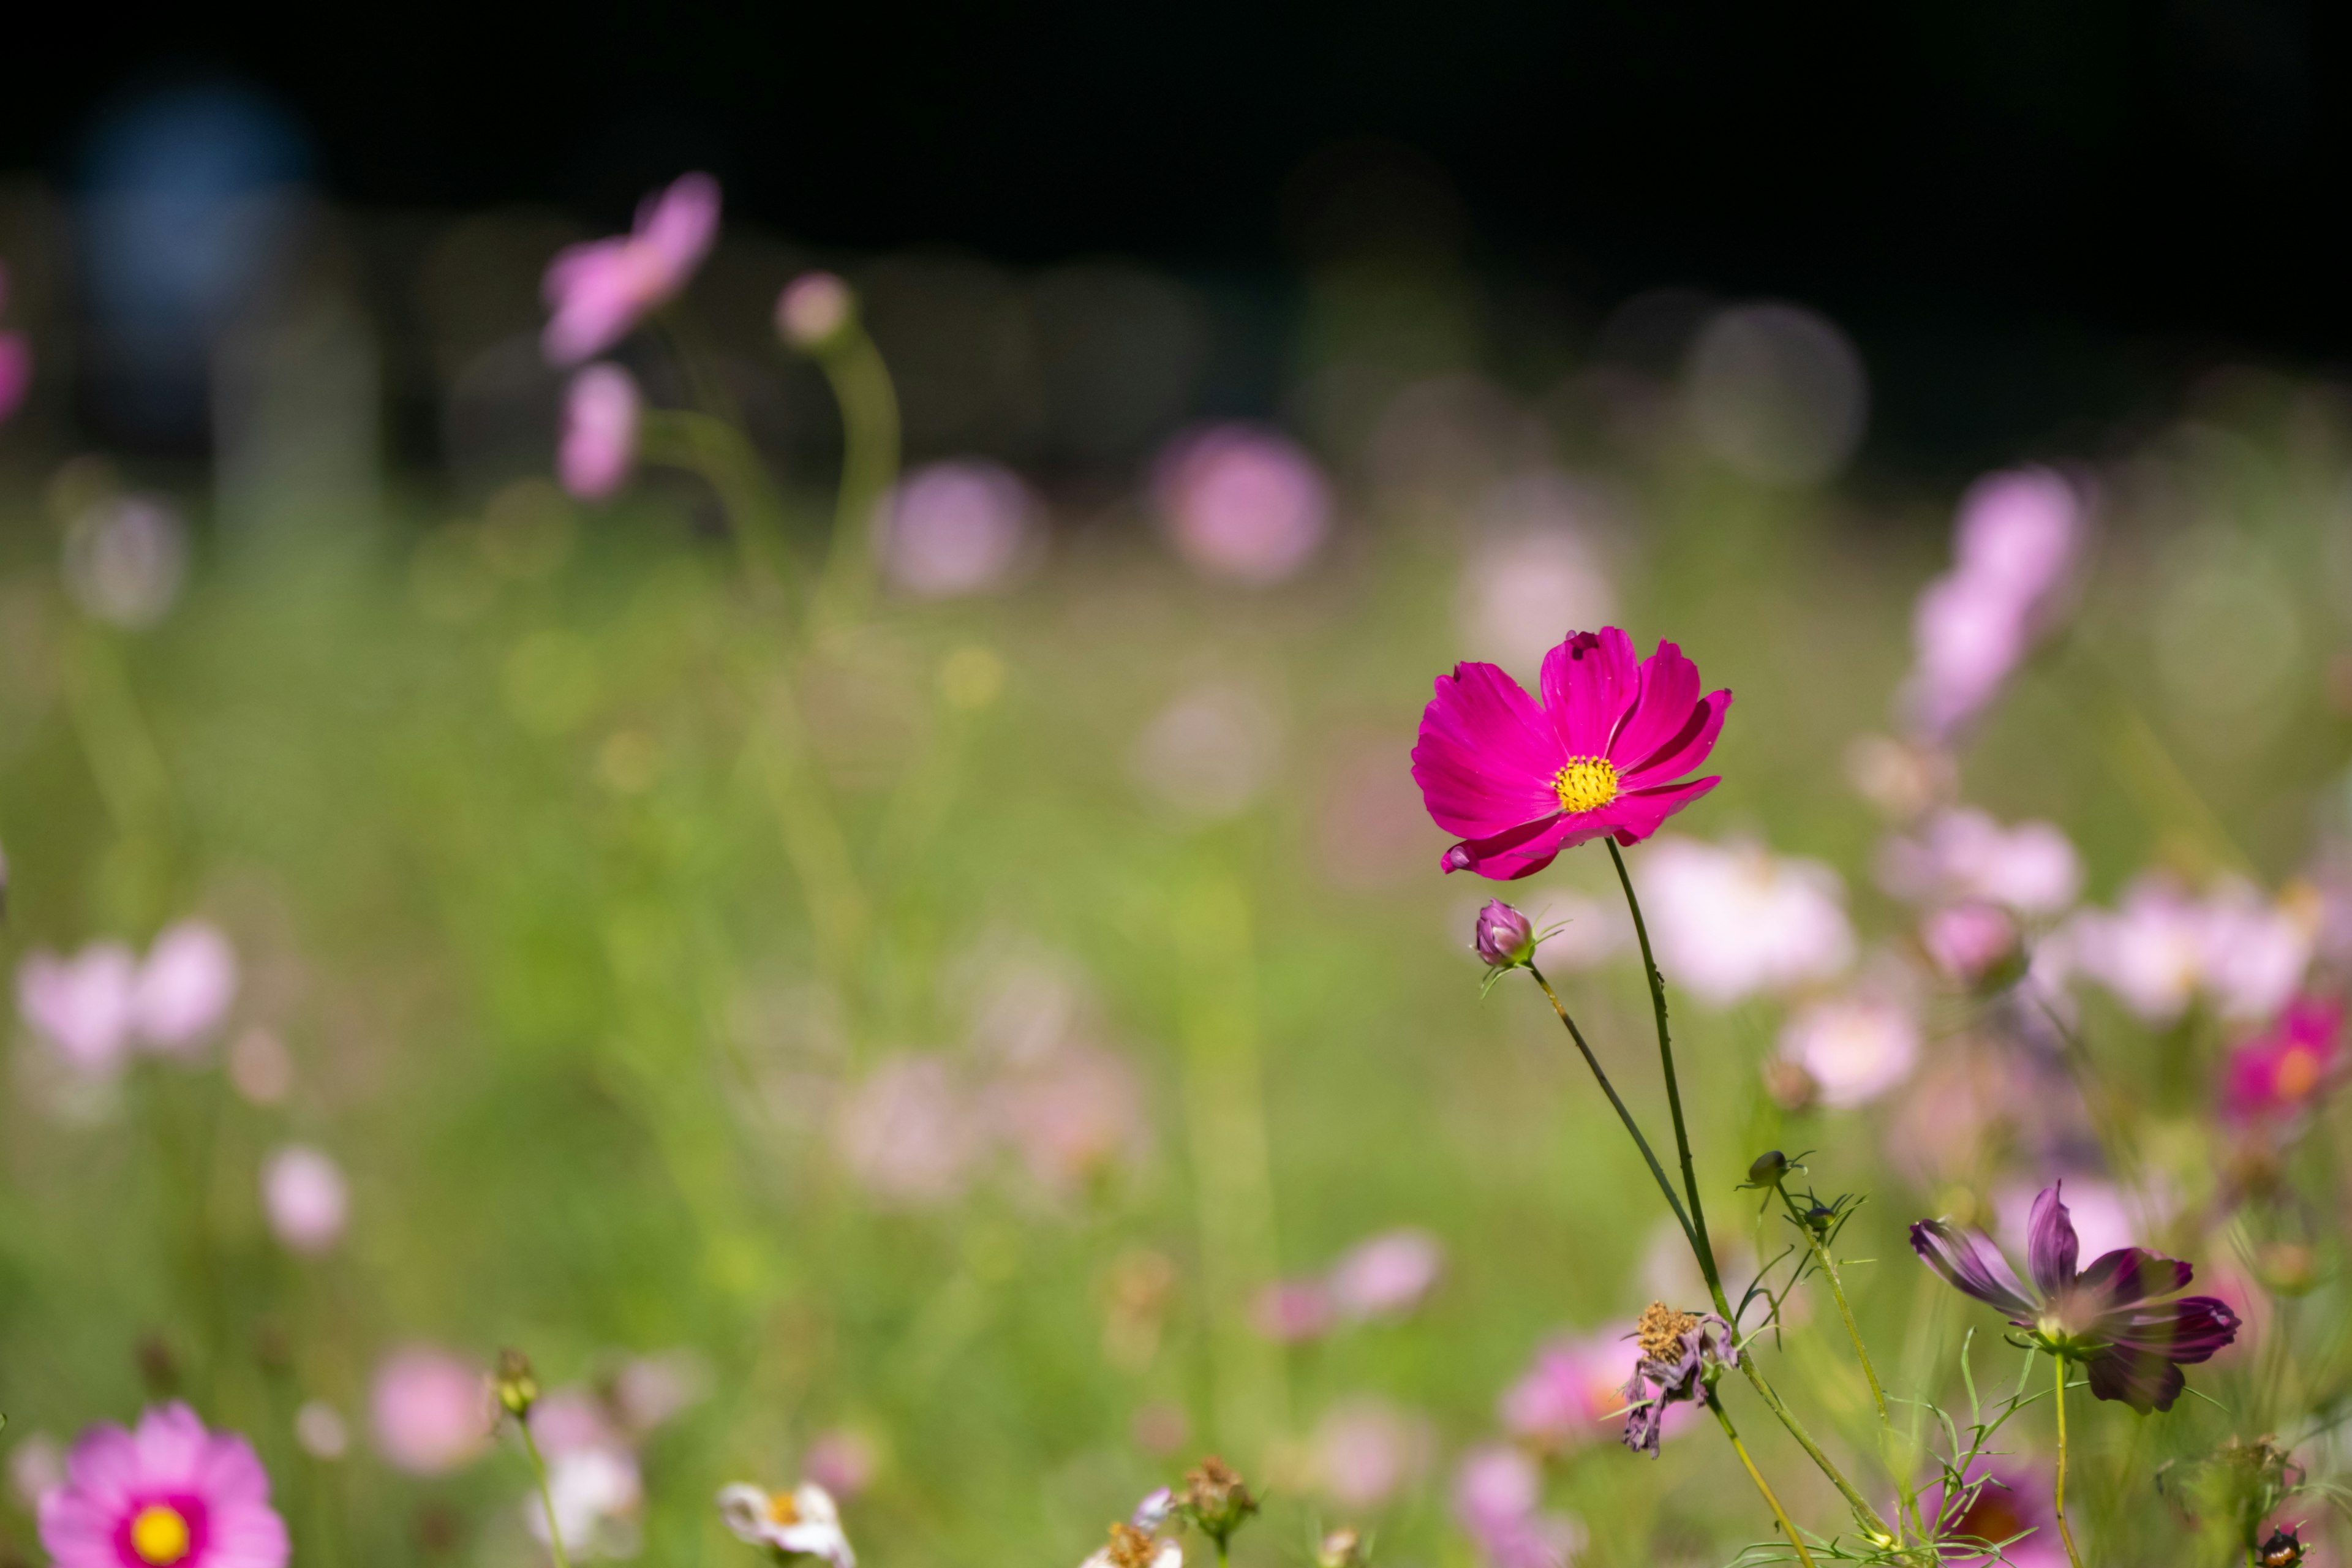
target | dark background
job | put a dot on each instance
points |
(2030, 213)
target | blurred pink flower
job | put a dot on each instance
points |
(1497, 1499)
(2010, 1502)
(965, 526)
(841, 1461)
(600, 409)
(1290, 1311)
(184, 987)
(81, 1004)
(1071, 1114)
(573, 1419)
(431, 1409)
(1364, 1450)
(1210, 753)
(167, 1493)
(1576, 1382)
(2105, 1219)
(15, 374)
(2282, 1070)
(597, 1494)
(2018, 537)
(37, 1467)
(1532, 578)
(649, 1390)
(812, 308)
(2160, 949)
(1963, 855)
(1242, 503)
(1969, 941)
(305, 1197)
(125, 558)
(907, 1134)
(1854, 1047)
(600, 291)
(1730, 920)
(1385, 1277)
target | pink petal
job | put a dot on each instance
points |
(104, 1466)
(1637, 814)
(2051, 1247)
(246, 1535)
(171, 1445)
(1590, 682)
(1518, 852)
(1487, 757)
(230, 1474)
(1682, 750)
(680, 226)
(1669, 689)
(79, 1530)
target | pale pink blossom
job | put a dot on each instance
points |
(841, 1461)
(597, 1495)
(1291, 1311)
(1210, 753)
(305, 1197)
(431, 1410)
(37, 1467)
(1731, 921)
(1387, 1276)
(1575, 1386)
(320, 1430)
(1497, 1499)
(2161, 948)
(601, 407)
(956, 528)
(1854, 1047)
(185, 988)
(600, 291)
(650, 1390)
(1364, 1451)
(1534, 576)
(1963, 855)
(2019, 539)
(1967, 941)
(812, 309)
(260, 1068)
(125, 558)
(1072, 1115)
(907, 1133)
(1242, 503)
(81, 1004)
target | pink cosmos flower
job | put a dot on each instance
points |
(965, 526)
(601, 290)
(1387, 1276)
(2282, 1070)
(2001, 1501)
(908, 1134)
(432, 1410)
(1242, 503)
(1576, 1384)
(1733, 920)
(1854, 1047)
(169, 1494)
(1364, 1450)
(2161, 949)
(305, 1198)
(1969, 941)
(1497, 1499)
(184, 987)
(81, 1004)
(600, 409)
(2019, 538)
(1965, 854)
(1290, 1311)
(1520, 783)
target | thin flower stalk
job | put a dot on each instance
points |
(546, 1495)
(2064, 1532)
(1771, 1501)
(869, 464)
(1826, 1262)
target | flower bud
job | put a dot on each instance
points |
(1768, 1168)
(517, 1388)
(814, 309)
(1341, 1549)
(1506, 938)
(1216, 1500)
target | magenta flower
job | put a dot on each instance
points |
(15, 372)
(168, 1495)
(600, 409)
(2104, 1316)
(602, 289)
(1520, 783)
(1999, 1504)
(2281, 1070)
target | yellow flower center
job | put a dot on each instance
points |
(158, 1535)
(1586, 784)
(2298, 1073)
(783, 1508)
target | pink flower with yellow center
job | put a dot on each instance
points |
(2281, 1070)
(1599, 757)
(168, 1494)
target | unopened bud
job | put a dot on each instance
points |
(1341, 1549)
(814, 309)
(1768, 1168)
(1506, 938)
(1216, 1500)
(517, 1388)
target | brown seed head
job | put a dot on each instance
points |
(1216, 1498)
(1661, 1331)
(1130, 1547)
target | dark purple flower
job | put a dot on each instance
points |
(1507, 938)
(2104, 1316)
(1681, 1354)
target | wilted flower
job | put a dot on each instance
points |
(597, 1495)
(1730, 920)
(1520, 783)
(168, 1494)
(965, 526)
(1853, 1047)
(2104, 1316)
(1999, 1506)
(1135, 1546)
(1387, 1276)
(802, 1522)
(1216, 1500)
(1682, 1355)
(600, 291)
(1506, 938)
(125, 557)
(431, 1410)
(305, 1198)
(814, 308)
(601, 410)
(1242, 502)
(2282, 1070)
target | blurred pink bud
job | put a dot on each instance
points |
(2021, 531)
(600, 291)
(185, 988)
(432, 1410)
(1291, 1311)
(814, 308)
(842, 1462)
(15, 372)
(965, 526)
(600, 409)
(1364, 1450)
(81, 1004)
(1242, 503)
(305, 1198)
(1853, 1047)
(1387, 1276)
(1969, 941)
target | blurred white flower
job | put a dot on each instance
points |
(125, 558)
(1963, 855)
(305, 1198)
(1242, 502)
(2161, 948)
(1209, 754)
(1364, 1450)
(1730, 920)
(965, 526)
(1854, 1047)
(801, 1522)
(597, 1495)
(649, 1390)
(907, 1133)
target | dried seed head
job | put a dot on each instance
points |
(1660, 1332)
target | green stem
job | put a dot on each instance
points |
(869, 464)
(2073, 1557)
(1657, 1171)
(1758, 1477)
(546, 1496)
(1828, 1266)
(715, 450)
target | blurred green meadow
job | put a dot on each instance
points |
(934, 1036)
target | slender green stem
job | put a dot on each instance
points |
(869, 464)
(711, 446)
(546, 1495)
(2073, 1557)
(1674, 1087)
(1665, 1184)
(1828, 1267)
(1758, 1477)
